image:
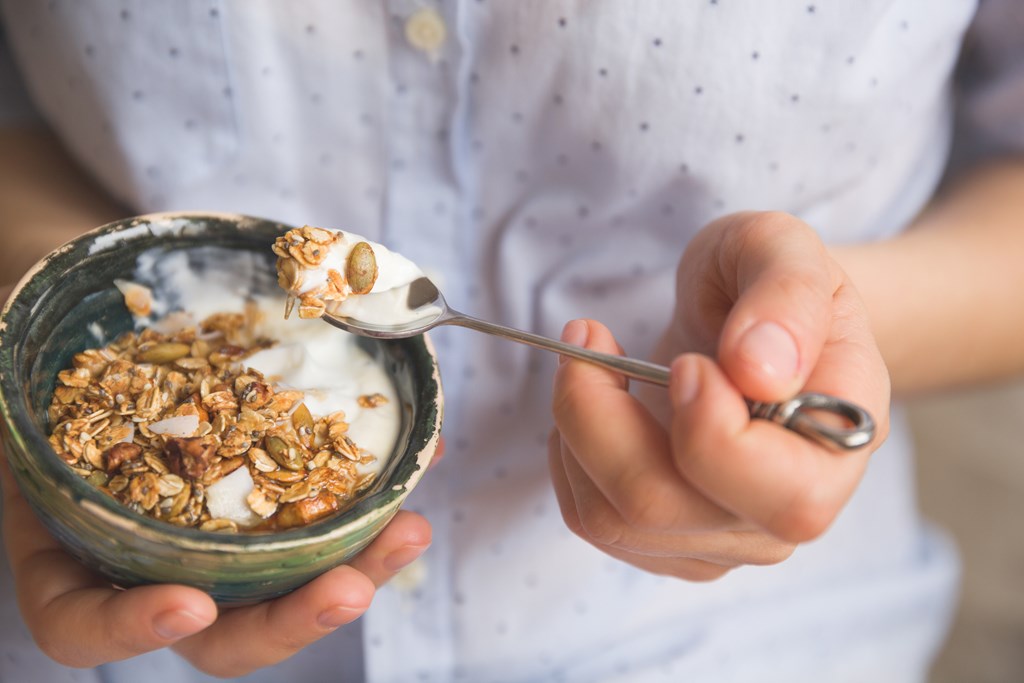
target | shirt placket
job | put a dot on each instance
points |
(408, 630)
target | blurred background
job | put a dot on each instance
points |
(971, 475)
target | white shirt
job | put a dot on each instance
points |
(550, 160)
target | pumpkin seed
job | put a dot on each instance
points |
(283, 453)
(361, 269)
(97, 478)
(289, 275)
(166, 352)
(302, 420)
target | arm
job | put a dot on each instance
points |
(958, 274)
(45, 199)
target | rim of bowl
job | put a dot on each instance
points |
(15, 408)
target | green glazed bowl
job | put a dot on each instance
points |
(46, 321)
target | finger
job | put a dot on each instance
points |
(92, 626)
(760, 471)
(621, 447)
(404, 539)
(684, 568)
(785, 284)
(438, 453)
(249, 638)
(74, 616)
(851, 365)
(597, 521)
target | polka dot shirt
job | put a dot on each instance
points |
(548, 160)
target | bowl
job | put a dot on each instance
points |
(47, 320)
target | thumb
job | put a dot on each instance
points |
(775, 331)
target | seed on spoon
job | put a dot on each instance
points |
(289, 275)
(361, 269)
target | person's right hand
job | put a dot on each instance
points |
(79, 620)
(764, 311)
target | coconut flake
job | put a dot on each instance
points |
(131, 434)
(179, 425)
(226, 498)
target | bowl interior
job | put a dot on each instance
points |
(58, 309)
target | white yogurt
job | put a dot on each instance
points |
(333, 372)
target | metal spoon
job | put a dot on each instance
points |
(419, 307)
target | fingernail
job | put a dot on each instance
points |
(772, 349)
(339, 615)
(177, 624)
(402, 557)
(687, 379)
(575, 332)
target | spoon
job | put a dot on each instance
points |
(418, 306)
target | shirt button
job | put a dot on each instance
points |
(425, 31)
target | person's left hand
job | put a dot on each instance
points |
(78, 619)
(763, 312)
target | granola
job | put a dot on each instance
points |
(162, 421)
(301, 249)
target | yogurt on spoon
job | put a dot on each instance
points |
(319, 267)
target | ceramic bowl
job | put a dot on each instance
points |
(47, 320)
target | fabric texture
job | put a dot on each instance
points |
(548, 161)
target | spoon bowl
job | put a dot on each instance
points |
(398, 313)
(419, 306)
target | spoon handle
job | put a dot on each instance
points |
(630, 367)
(796, 414)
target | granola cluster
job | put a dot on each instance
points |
(307, 248)
(155, 420)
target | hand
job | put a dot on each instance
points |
(713, 489)
(78, 620)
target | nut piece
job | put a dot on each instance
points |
(189, 458)
(121, 453)
(304, 511)
(361, 269)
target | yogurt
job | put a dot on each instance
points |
(394, 270)
(348, 275)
